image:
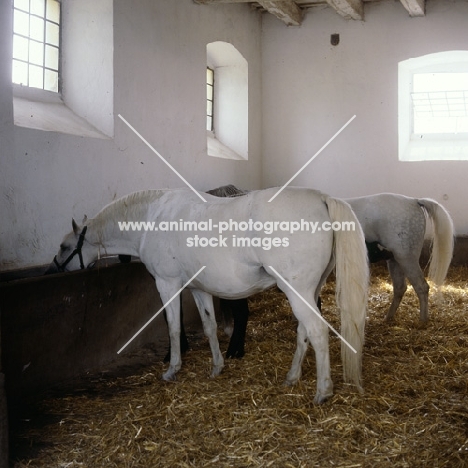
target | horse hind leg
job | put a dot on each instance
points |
(204, 302)
(399, 287)
(295, 372)
(311, 328)
(416, 277)
(323, 279)
(412, 271)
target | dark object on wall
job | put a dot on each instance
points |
(334, 39)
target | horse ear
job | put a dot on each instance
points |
(75, 226)
(85, 218)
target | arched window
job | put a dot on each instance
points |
(433, 107)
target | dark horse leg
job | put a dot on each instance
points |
(240, 313)
(239, 310)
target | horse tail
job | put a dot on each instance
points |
(352, 281)
(442, 241)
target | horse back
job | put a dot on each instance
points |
(395, 221)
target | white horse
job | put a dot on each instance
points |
(236, 272)
(398, 224)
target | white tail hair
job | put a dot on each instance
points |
(352, 281)
(442, 241)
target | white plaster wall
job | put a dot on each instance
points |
(311, 88)
(87, 61)
(159, 87)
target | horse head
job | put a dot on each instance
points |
(75, 251)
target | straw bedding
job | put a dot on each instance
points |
(413, 413)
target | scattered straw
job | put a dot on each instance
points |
(413, 413)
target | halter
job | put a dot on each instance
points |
(77, 250)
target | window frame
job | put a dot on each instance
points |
(210, 93)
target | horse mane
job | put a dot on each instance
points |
(129, 207)
(133, 207)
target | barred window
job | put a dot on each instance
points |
(36, 41)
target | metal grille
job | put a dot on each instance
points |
(440, 103)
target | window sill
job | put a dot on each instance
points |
(219, 150)
(43, 110)
(435, 150)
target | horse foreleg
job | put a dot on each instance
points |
(399, 287)
(184, 345)
(205, 306)
(173, 322)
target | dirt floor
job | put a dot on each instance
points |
(414, 412)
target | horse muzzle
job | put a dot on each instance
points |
(51, 269)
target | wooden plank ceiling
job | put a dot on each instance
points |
(291, 12)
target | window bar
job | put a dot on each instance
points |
(209, 98)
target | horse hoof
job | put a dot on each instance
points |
(289, 383)
(422, 324)
(169, 376)
(237, 354)
(321, 399)
(216, 371)
(423, 319)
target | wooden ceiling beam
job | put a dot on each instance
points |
(286, 10)
(414, 7)
(349, 9)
